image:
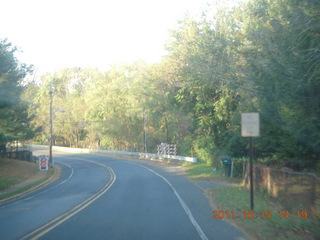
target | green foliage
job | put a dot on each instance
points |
(14, 117)
(286, 76)
(5, 183)
(260, 56)
(198, 171)
(202, 148)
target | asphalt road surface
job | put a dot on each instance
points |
(99, 197)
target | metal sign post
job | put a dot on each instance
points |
(251, 174)
(250, 127)
(51, 139)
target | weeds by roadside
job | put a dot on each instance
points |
(6, 182)
(268, 220)
(200, 171)
(15, 171)
(26, 188)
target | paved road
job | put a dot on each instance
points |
(99, 197)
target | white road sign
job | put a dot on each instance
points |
(250, 125)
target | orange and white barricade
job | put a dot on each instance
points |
(43, 162)
(167, 149)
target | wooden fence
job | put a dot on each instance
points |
(293, 189)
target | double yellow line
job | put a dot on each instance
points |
(36, 234)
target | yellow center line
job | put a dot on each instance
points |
(36, 234)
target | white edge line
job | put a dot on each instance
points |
(183, 204)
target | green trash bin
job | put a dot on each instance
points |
(226, 161)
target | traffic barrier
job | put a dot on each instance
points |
(43, 161)
(167, 149)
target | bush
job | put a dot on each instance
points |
(203, 148)
(238, 166)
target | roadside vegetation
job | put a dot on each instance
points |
(255, 56)
(274, 220)
(283, 223)
(14, 171)
(15, 118)
(25, 175)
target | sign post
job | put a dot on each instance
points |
(250, 127)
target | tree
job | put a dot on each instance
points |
(258, 56)
(206, 61)
(14, 119)
(283, 55)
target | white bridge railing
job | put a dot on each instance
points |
(151, 156)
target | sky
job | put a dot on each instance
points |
(53, 34)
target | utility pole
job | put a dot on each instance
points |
(51, 139)
(145, 129)
(167, 131)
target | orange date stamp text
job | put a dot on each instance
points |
(259, 215)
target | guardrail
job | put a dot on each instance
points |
(150, 156)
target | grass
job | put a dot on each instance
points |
(201, 171)
(13, 172)
(236, 197)
(198, 171)
(276, 227)
(6, 182)
(27, 187)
